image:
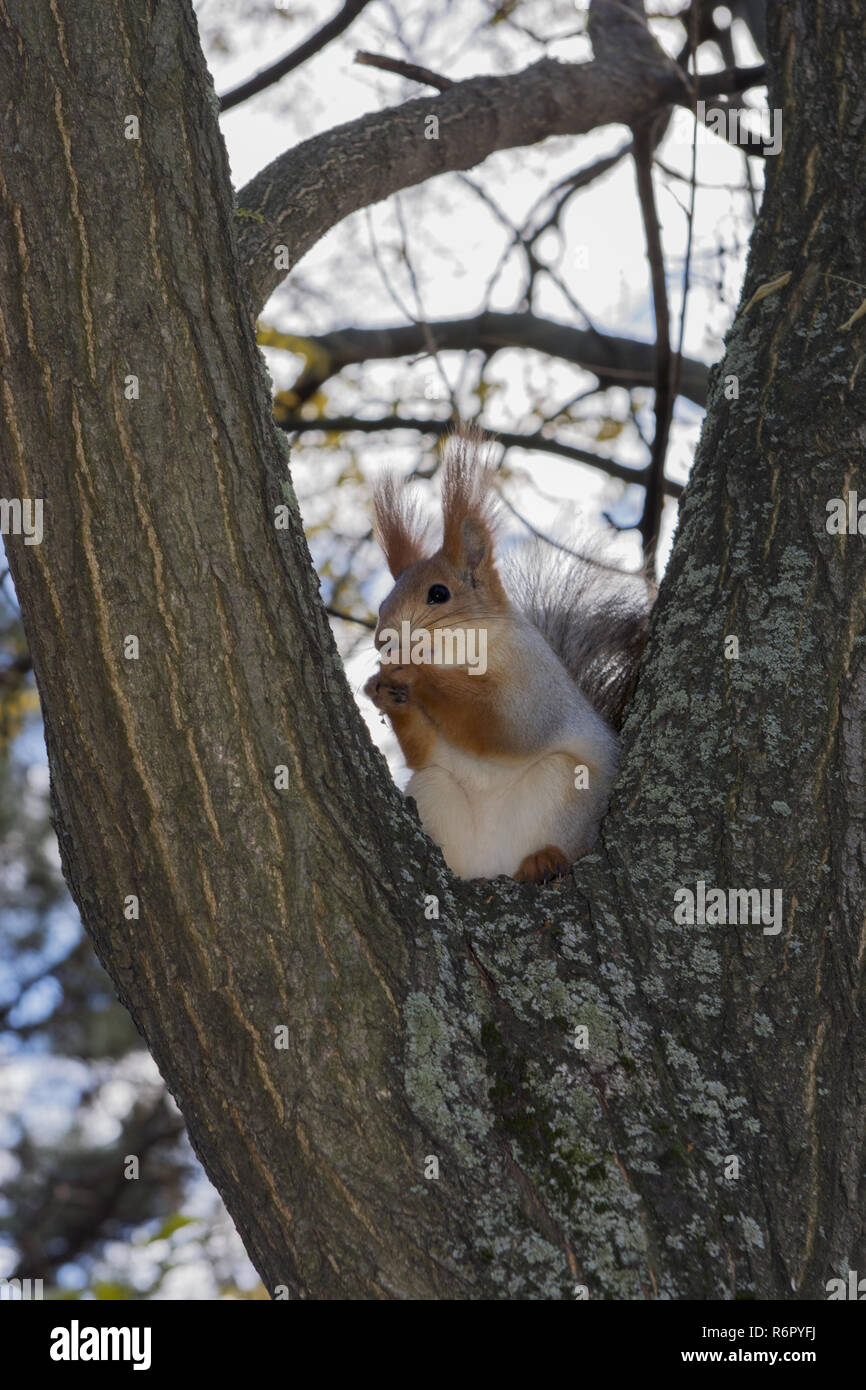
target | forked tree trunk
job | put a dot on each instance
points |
(260, 909)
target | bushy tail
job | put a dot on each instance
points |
(595, 619)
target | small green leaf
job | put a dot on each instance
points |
(172, 1224)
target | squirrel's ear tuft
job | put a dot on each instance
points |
(400, 529)
(477, 544)
(468, 502)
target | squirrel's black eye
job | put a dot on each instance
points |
(438, 594)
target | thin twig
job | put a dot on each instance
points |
(350, 618)
(558, 545)
(672, 173)
(404, 69)
(420, 318)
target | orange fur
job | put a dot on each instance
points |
(492, 747)
(421, 700)
(468, 506)
(400, 529)
(464, 706)
(414, 732)
(450, 699)
(544, 865)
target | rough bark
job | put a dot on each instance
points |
(452, 1037)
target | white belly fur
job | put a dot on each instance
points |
(488, 814)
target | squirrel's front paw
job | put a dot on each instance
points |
(544, 865)
(388, 687)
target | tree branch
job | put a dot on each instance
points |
(307, 190)
(651, 519)
(614, 360)
(730, 80)
(344, 617)
(403, 69)
(740, 138)
(342, 424)
(314, 44)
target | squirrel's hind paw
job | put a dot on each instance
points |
(544, 865)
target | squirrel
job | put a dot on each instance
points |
(504, 687)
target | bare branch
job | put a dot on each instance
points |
(733, 131)
(559, 545)
(292, 202)
(369, 623)
(694, 29)
(615, 361)
(729, 81)
(344, 423)
(404, 69)
(571, 185)
(649, 526)
(314, 44)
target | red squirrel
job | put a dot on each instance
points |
(502, 692)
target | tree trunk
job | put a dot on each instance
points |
(306, 908)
